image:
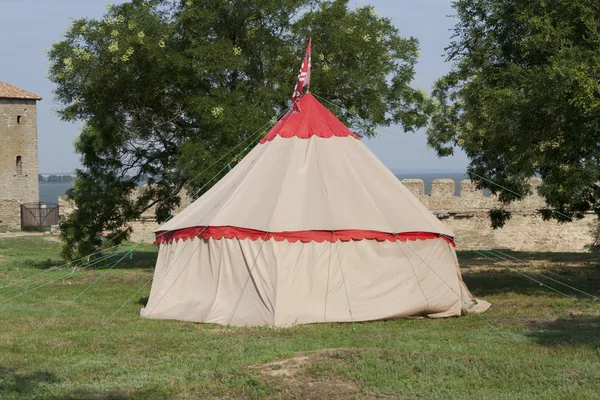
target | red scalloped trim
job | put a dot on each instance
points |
(230, 232)
(309, 118)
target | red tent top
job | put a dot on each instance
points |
(309, 118)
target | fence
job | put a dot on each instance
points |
(39, 215)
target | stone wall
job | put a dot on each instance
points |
(469, 200)
(65, 207)
(18, 157)
(143, 228)
(467, 215)
(18, 150)
(10, 214)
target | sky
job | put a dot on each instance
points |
(27, 27)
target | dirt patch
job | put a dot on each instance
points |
(19, 234)
(295, 377)
(288, 367)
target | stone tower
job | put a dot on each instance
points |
(18, 150)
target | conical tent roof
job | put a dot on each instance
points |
(309, 227)
(309, 176)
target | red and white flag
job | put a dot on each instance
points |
(304, 76)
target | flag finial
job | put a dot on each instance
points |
(304, 75)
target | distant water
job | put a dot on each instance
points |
(49, 192)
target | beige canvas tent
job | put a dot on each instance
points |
(309, 227)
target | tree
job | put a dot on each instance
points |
(166, 88)
(523, 100)
(594, 246)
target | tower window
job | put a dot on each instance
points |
(19, 163)
(19, 119)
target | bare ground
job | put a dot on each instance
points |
(295, 377)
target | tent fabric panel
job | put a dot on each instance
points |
(299, 283)
(198, 286)
(378, 278)
(310, 184)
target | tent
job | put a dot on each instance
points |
(309, 227)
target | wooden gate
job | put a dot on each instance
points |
(39, 215)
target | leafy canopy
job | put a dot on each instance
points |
(523, 100)
(167, 88)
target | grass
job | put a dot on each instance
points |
(542, 345)
(6, 229)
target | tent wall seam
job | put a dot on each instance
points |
(237, 303)
(416, 277)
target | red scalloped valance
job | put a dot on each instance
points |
(310, 118)
(230, 232)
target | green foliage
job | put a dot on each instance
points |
(595, 231)
(499, 217)
(167, 88)
(523, 100)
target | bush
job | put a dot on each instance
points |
(35, 229)
(594, 247)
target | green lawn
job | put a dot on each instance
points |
(542, 345)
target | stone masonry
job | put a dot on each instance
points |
(10, 214)
(467, 216)
(142, 228)
(18, 153)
